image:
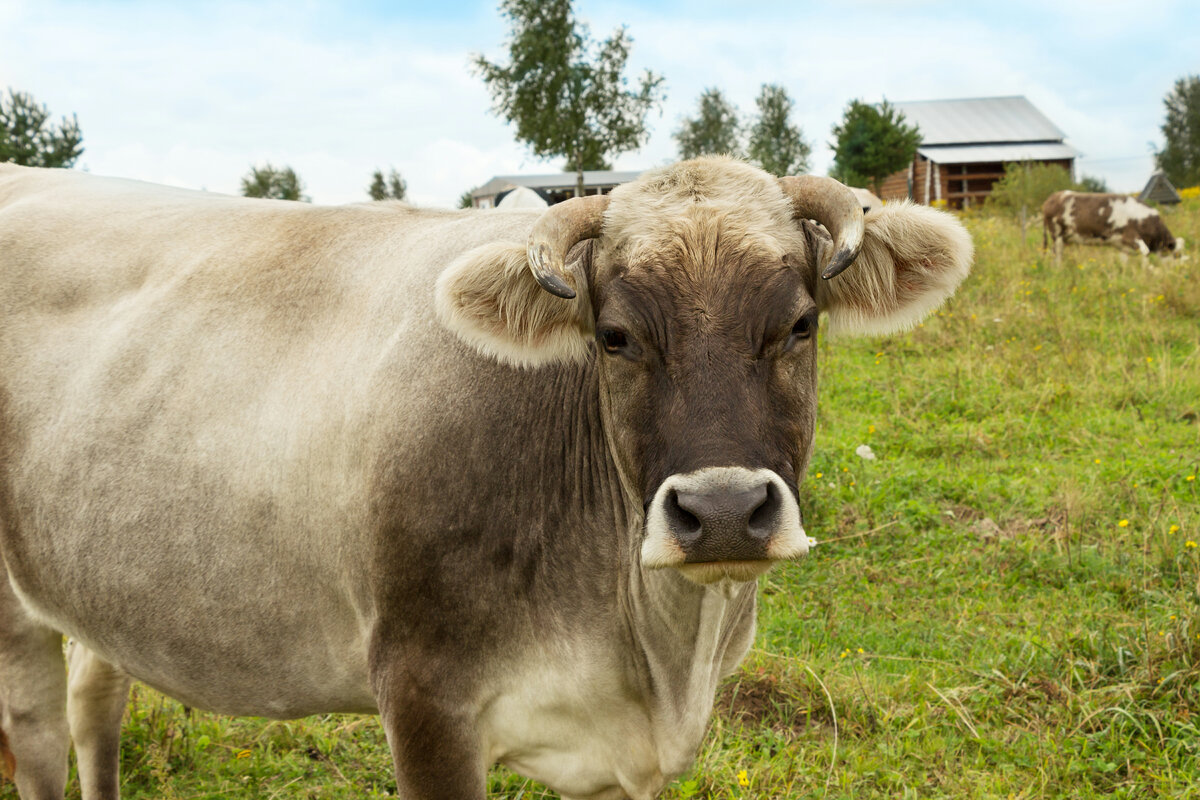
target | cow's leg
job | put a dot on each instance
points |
(1058, 250)
(1143, 251)
(97, 693)
(33, 701)
(432, 735)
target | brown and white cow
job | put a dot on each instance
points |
(1117, 219)
(505, 478)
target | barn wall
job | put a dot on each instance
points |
(960, 185)
(897, 186)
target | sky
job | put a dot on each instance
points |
(193, 94)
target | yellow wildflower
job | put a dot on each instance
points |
(1189, 543)
(820, 474)
(1174, 528)
(243, 754)
(870, 429)
(743, 778)
(1123, 523)
(1190, 478)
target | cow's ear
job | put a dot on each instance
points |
(489, 298)
(913, 258)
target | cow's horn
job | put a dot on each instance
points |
(560, 228)
(834, 206)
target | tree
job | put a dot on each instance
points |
(871, 143)
(466, 200)
(775, 144)
(591, 158)
(566, 96)
(277, 184)
(1180, 158)
(714, 130)
(1090, 183)
(394, 188)
(1025, 186)
(27, 139)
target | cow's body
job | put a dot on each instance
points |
(246, 462)
(1116, 219)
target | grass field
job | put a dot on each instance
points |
(1004, 603)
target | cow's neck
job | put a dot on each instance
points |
(681, 637)
(685, 637)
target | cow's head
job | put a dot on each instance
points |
(698, 288)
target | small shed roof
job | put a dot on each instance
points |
(988, 153)
(1159, 190)
(978, 120)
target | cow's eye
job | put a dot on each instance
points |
(804, 329)
(613, 340)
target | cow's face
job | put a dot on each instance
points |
(699, 296)
(706, 334)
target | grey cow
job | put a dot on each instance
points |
(505, 478)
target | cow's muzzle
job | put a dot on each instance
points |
(722, 522)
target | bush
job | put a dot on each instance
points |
(1024, 187)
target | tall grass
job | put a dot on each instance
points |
(1004, 603)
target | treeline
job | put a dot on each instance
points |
(30, 138)
(568, 96)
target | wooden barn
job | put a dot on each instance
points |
(965, 145)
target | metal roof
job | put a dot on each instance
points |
(988, 153)
(980, 120)
(557, 180)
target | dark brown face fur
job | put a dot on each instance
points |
(708, 358)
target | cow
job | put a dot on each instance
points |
(505, 479)
(1117, 219)
(867, 199)
(521, 197)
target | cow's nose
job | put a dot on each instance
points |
(724, 523)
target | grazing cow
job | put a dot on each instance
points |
(505, 479)
(1118, 219)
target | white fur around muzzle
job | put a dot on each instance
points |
(660, 549)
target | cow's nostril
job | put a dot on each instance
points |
(764, 519)
(684, 524)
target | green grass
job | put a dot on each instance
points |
(978, 622)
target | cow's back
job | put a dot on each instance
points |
(191, 390)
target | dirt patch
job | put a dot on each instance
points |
(988, 531)
(964, 513)
(762, 700)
